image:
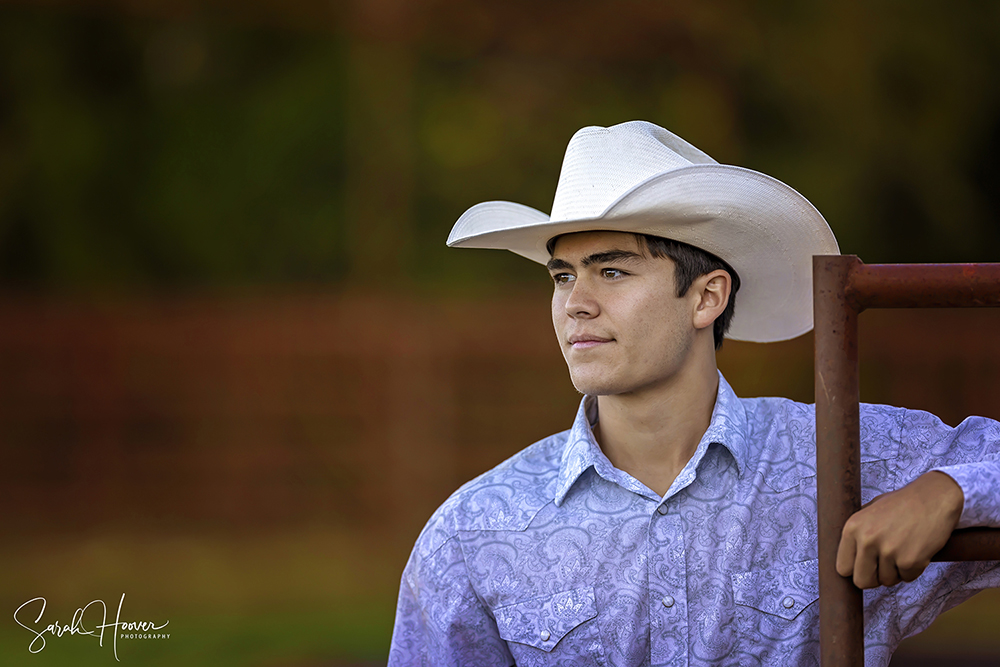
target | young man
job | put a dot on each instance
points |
(675, 523)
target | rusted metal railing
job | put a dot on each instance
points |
(843, 286)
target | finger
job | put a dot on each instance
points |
(914, 571)
(888, 573)
(866, 567)
(846, 553)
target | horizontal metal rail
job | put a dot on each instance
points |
(843, 286)
(971, 544)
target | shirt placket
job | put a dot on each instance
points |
(668, 603)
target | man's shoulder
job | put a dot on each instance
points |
(768, 409)
(784, 435)
(775, 411)
(506, 497)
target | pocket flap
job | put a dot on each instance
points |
(783, 590)
(542, 622)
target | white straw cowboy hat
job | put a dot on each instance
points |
(638, 177)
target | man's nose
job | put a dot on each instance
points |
(582, 303)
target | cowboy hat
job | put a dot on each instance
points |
(638, 177)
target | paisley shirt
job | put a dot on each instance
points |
(555, 557)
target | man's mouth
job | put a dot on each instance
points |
(585, 341)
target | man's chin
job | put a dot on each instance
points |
(597, 387)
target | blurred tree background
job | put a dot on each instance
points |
(214, 145)
(256, 195)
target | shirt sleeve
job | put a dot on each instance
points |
(969, 454)
(440, 622)
(980, 483)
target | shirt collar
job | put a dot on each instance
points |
(581, 451)
(727, 427)
(729, 424)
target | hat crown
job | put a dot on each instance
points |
(603, 163)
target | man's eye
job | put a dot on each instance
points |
(612, 273)
(562, 278)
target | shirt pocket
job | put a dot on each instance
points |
(557, 629)
(777, 615)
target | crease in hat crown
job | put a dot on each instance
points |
(639, 177)
(603, 163)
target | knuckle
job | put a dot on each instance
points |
(890, 552)
(853, 522)
(868, 540)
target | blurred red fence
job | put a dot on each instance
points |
(363, 411)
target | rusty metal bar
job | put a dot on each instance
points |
(971, 544)
(838, 455)
(843, 286)
(924, 285)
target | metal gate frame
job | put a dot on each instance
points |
(843, 286)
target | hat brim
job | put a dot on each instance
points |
(763, 228)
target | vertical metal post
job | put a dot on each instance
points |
(838, 456)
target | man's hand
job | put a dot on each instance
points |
(892, 538)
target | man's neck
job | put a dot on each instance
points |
(652, 434)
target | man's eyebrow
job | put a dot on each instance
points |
(605, 257)
(611, 256)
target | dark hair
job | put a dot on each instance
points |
(690, 263)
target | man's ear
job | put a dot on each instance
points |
(711, 292)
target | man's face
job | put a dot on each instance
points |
(619, 323)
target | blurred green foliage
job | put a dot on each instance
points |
(147, 152)
(167, 153)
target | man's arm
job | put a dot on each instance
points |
(893, 538)
(439, 620)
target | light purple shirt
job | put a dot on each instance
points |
(556, 557)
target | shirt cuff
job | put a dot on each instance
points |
(980, 483)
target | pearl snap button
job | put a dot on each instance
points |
(788, 603)
(668, 601)
(545, 635)
(662, 509)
